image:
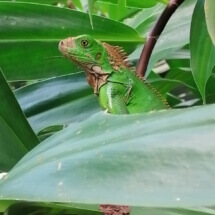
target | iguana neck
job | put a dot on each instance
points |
(116, 62)
(96, 81)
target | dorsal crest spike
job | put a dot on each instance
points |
(117, 56)
(158, 93)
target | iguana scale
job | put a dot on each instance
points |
(118, 88)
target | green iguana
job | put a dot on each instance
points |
(118, 88)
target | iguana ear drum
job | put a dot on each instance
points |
(98, 56)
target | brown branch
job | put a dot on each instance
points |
(154, 35)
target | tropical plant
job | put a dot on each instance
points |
(62, 154)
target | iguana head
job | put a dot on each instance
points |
(86, 52)
(97, 59)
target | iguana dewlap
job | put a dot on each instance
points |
(119, 90)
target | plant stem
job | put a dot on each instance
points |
(154, 35)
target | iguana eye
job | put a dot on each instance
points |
(84, 43)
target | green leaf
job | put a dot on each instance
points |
(141, 4)
(210, 90)
(202, 49)
(109, 1)
(28, 208)
(136, 3)
(174, 78)
(71, 100)
(172, 211)
(116, 12)
(90, 6)
(40, 1)
(31, 32)
(4, 204)
(145, 19)
(210, 17)
(157, 159)
(175, 35)
(16, 135)
(75, 3)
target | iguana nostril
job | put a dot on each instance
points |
(62, 43)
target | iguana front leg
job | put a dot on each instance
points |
(128, 93)
(112, 98)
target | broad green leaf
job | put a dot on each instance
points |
(183, 54)
(29, 208)
(16, 135)
(76, 3)
(177, 86)
(116, 12)
(210, 90)
(210, 18)
(4, 204)
(180, 61)
(164, 1)
(175, 35)
(38, 1)
(31, 32)
(145, 19)
(174, 78)
(12, 207)
(202, 49)
(141, 4)
(172, 211)
(136, 3)
(157, 159)
(57, 101)
(109, 1)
